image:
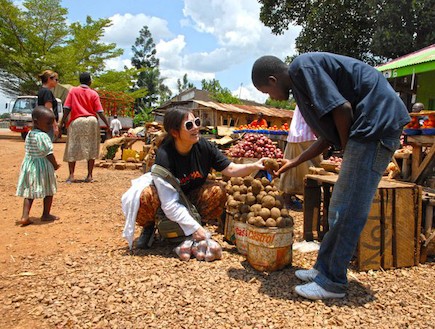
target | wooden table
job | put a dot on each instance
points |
(421, 168)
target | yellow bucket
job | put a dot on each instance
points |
(269, 249)
(128, 153)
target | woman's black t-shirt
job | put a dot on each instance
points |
(191, 169)
(45, 95)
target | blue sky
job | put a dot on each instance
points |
(207, 39)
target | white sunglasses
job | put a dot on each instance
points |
(189, 124)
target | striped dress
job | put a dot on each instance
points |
(37, 178)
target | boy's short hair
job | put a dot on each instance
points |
(41, 111)
(264, 67)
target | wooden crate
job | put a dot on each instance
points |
(391, 236)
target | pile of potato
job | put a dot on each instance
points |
(257, 202)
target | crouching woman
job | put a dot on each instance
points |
(190, 159)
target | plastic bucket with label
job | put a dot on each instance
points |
(269, 249)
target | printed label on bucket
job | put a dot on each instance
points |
(271, 238)
(241, 232)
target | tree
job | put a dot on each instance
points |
(287, 105)
(144, 59)
(119, 81)
(403, 26)
(372, 31)
(222, 95)
(144, 50)
(37, 37)
(84, 51)
(185, 84)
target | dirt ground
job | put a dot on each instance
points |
(77, 272)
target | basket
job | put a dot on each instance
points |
(229, 235)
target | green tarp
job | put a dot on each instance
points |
(417, 62)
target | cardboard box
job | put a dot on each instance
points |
(391, 236)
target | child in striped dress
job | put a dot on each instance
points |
(37, 179)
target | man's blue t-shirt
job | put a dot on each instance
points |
(323, 81)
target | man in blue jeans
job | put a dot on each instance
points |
(350, 105)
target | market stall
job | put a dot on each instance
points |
(420, 134)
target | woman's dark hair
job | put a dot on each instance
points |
(173, 119)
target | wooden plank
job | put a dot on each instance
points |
(417, 156)
(387, 228)
(384, 183)
(418, 211)
(369, 243)
(311, 206)
(404, 228)
(419, 171)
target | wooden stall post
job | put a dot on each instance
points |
(311, 206)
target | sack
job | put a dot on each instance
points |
(167, 228)
(206, 250)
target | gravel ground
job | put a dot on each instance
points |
(79, 273)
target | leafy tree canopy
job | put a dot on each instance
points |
(119, 81)
(373, 30)
(36, 37)
(287, 105)
(144, 59)
(184, 84)
(218, 93)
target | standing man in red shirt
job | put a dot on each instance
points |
(260, 122)
(83, 141)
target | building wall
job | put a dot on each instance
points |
(426, 90)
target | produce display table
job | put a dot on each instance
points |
(391, 236)
(421, 168)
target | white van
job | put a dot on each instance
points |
(21, 114)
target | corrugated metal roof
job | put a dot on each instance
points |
(416, 62)
(247, 109)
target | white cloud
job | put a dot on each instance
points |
(117, 64)
(251, 93)
(234, 28)
(169, 52)
(125, 29)
(237, 27)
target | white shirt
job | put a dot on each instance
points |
(115, 124)
(174, 210)
(299, 130)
